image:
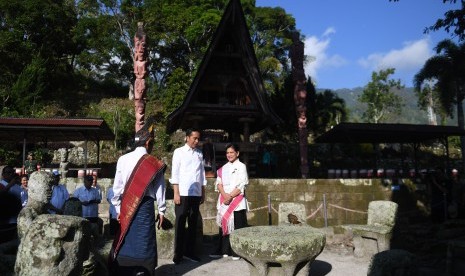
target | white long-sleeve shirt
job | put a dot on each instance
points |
(124, 168)
(188, 171)
(234, 175)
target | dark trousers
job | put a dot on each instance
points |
(224, 245)
(188, 211)
(113, 226)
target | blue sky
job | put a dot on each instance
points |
(352, 38)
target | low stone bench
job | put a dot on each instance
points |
(375, 236)
(290, 248)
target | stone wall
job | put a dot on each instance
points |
(346, 199)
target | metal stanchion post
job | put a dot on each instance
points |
(269, 209)
(325, 211)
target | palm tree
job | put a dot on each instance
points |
(447, 69)
(325, 109)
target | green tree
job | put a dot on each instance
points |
(270, 30)
(33, 34)
(446, 68)
(429, 100)
(326, 109)
(379, 97)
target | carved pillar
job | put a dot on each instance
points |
(300, 94)
(140, 71)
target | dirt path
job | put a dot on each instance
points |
(331, 261)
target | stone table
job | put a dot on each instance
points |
(290, 248)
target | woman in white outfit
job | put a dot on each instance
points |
(232, 204)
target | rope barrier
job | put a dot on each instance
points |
(258, 208)
(316, 211)
(347, 209)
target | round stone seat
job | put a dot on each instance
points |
(293, 248)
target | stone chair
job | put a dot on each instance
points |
(291, 213)
(375, 236)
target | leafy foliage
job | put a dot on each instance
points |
(447, 69)
(429, 100)
(378, 96)
(453, 21)
(326, 109)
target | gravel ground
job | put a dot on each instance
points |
(332, 261)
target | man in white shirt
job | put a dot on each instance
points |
(188, 180)
(139, 179)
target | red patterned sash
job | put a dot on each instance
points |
(146, 169)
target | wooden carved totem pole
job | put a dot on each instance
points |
(140, 70)
(300, 95)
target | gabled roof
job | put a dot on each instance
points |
(228, 85)
(54, 129)
(387, 133)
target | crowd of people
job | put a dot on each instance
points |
(14, 197)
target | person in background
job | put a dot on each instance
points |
(24, 179)
(94, 182)
(112, 213)
(10, 203)
(90, 199)
(188, 180)
(232, 205)
(139, 180)
(30, 165)
(59, 195)
(97, 186)
(11, 182)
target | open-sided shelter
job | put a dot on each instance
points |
(357, 133)
(34, 130)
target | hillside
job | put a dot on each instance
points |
(411, 113)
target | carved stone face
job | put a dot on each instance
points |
(40, 187)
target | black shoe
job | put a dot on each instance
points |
(176, 259)
(192, 258)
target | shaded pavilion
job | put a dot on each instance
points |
(358, 133)
(35, 130)
(227, 97)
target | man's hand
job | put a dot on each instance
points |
(177, 199)
(160, 221)
(202, 199)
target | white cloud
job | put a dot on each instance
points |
(316, 49)
(407, 59)
(329, 31)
